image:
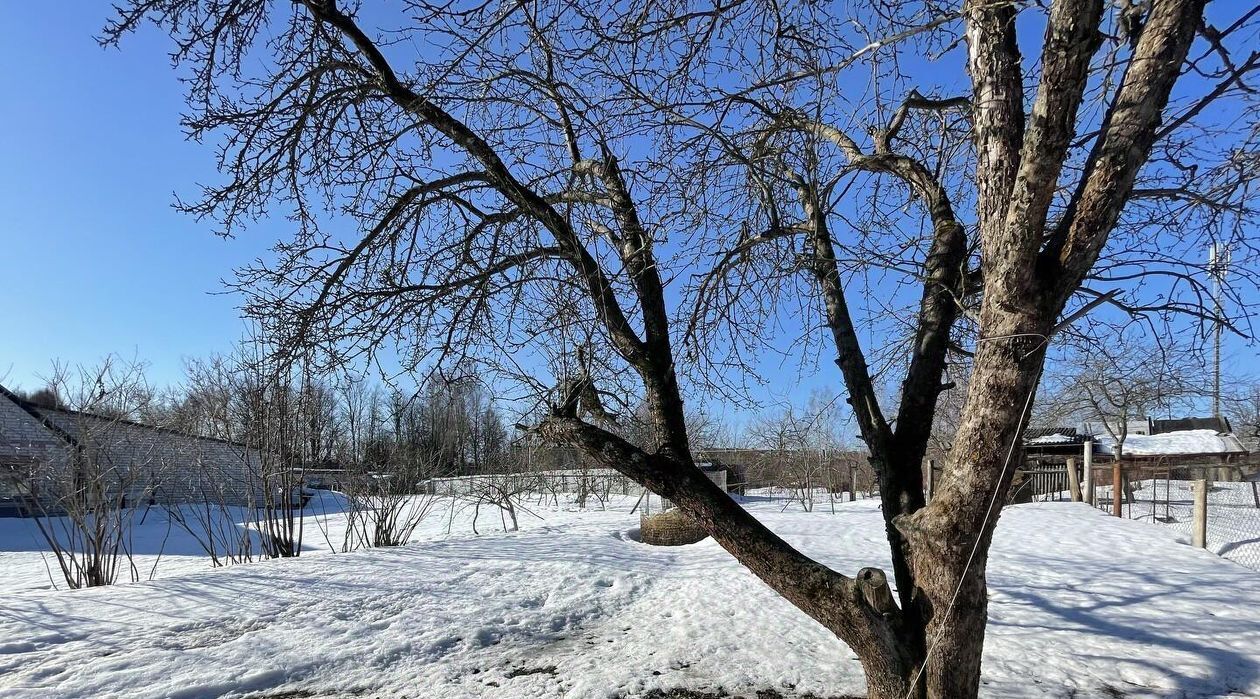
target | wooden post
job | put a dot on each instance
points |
(931, 479)
(1087, 458)
(1199, 529)
(1117, 489)
(1074, 480)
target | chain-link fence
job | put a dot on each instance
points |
(597, 482)
(1167, 495)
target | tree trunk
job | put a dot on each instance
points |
(931, 646)
(949, 538)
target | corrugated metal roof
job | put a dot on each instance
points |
(1217, 424)
(1035, 432)
(1053, 435)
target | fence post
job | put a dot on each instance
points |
(931, 479)
(1087, 459)
(1199, 531)
(1074, 480)
(1117, 490)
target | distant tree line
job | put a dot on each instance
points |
(304, 418)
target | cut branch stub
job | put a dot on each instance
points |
(873, 584)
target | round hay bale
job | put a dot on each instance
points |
(669, 528)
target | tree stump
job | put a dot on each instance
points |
(1021, 490)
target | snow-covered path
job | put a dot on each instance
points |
(1082, 605)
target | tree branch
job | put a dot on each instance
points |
(1129, 130)
(857, 614)
(597, 284)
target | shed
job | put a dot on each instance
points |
(48, 452)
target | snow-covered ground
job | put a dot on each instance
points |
(572, 606)
(1233, 523)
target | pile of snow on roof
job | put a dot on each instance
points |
(1055, 438)
(1173, 443)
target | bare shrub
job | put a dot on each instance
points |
(85, 493)
(386, 505)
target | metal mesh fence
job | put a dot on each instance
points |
(601, 482)
(1166, 496)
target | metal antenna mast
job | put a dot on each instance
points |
(1218, 260)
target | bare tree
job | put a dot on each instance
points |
(1111, 387)
(533, 181)
(949, 415)
(1244, 412)
(86, 495)
(803, 444)
(45, 397)
(284, 421)
(384, 486)
(504, 492)
(386, 506)
(225, 532)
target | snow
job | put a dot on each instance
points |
(160, 545)
(1233, 521)
(1183, 442)
(1055, 438)
(1083, 605)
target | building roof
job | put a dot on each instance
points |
(1052, 436)
(1178, 443)
(75, 429)
(1216, 424)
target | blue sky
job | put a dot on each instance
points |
(95, 259)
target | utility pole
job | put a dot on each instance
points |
(1218, 260)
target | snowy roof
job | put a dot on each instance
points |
(1052, 436)
(1180, 443)
(1055, 438)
